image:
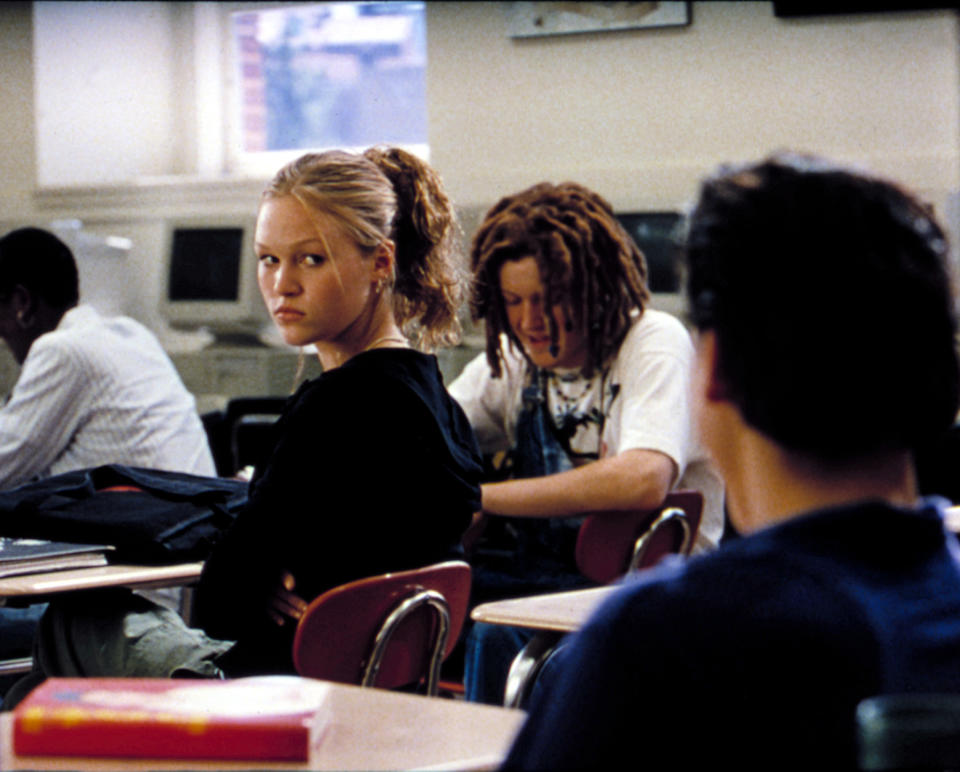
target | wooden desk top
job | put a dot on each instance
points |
(98, 577)
(567, 611)
(559, 611)
(371, 729)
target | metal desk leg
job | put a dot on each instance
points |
(19, 665)
(526, 667)
(186, 604)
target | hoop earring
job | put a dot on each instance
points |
(24, 325)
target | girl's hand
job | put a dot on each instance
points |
(285, 604)
(473, 532)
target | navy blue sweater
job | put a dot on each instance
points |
(757, 655)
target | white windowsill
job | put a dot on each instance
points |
(157, 195)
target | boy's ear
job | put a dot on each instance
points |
(715, 387)
(23, 304)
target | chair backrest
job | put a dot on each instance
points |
(609, 544)
(249, 422)
(238, 434)
(909, 731)
(388, 631)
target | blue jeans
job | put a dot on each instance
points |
(490, 649)
(18, 627)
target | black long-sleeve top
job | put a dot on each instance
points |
(374, 469)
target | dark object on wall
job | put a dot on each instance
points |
(657, 234)
(793, 8)
(547, 18)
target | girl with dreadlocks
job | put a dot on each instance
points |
(586, 390)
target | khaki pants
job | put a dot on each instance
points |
(114, 633)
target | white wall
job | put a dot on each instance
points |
(17, 151)
(639, 115)
(105, 101)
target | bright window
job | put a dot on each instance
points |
(318, 75)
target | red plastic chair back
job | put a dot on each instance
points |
(606, 541)
(336, 636)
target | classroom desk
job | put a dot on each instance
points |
(38, 587)
(551, 616)
(561, 612)
(564, 612)
(371, 729)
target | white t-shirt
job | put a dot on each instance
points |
(642, 401)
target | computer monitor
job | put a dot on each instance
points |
(211, 279)
(659, 234)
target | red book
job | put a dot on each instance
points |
(279, 718)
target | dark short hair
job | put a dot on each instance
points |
(830, 297)
(40, 262)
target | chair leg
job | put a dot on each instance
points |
(186, 605)
(526, 667)
(17, 665)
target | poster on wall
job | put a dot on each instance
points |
(535, 19)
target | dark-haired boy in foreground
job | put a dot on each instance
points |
(825, 353)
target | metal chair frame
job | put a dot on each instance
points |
(664, 520)
(387, 631)
(917, 731)
(16, 665)
(390, 625)
(532, 658)
(527, 666)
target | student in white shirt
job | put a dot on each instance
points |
(585, 388)
(92, 390)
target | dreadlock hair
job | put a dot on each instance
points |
(388, 193)
(586, 260)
